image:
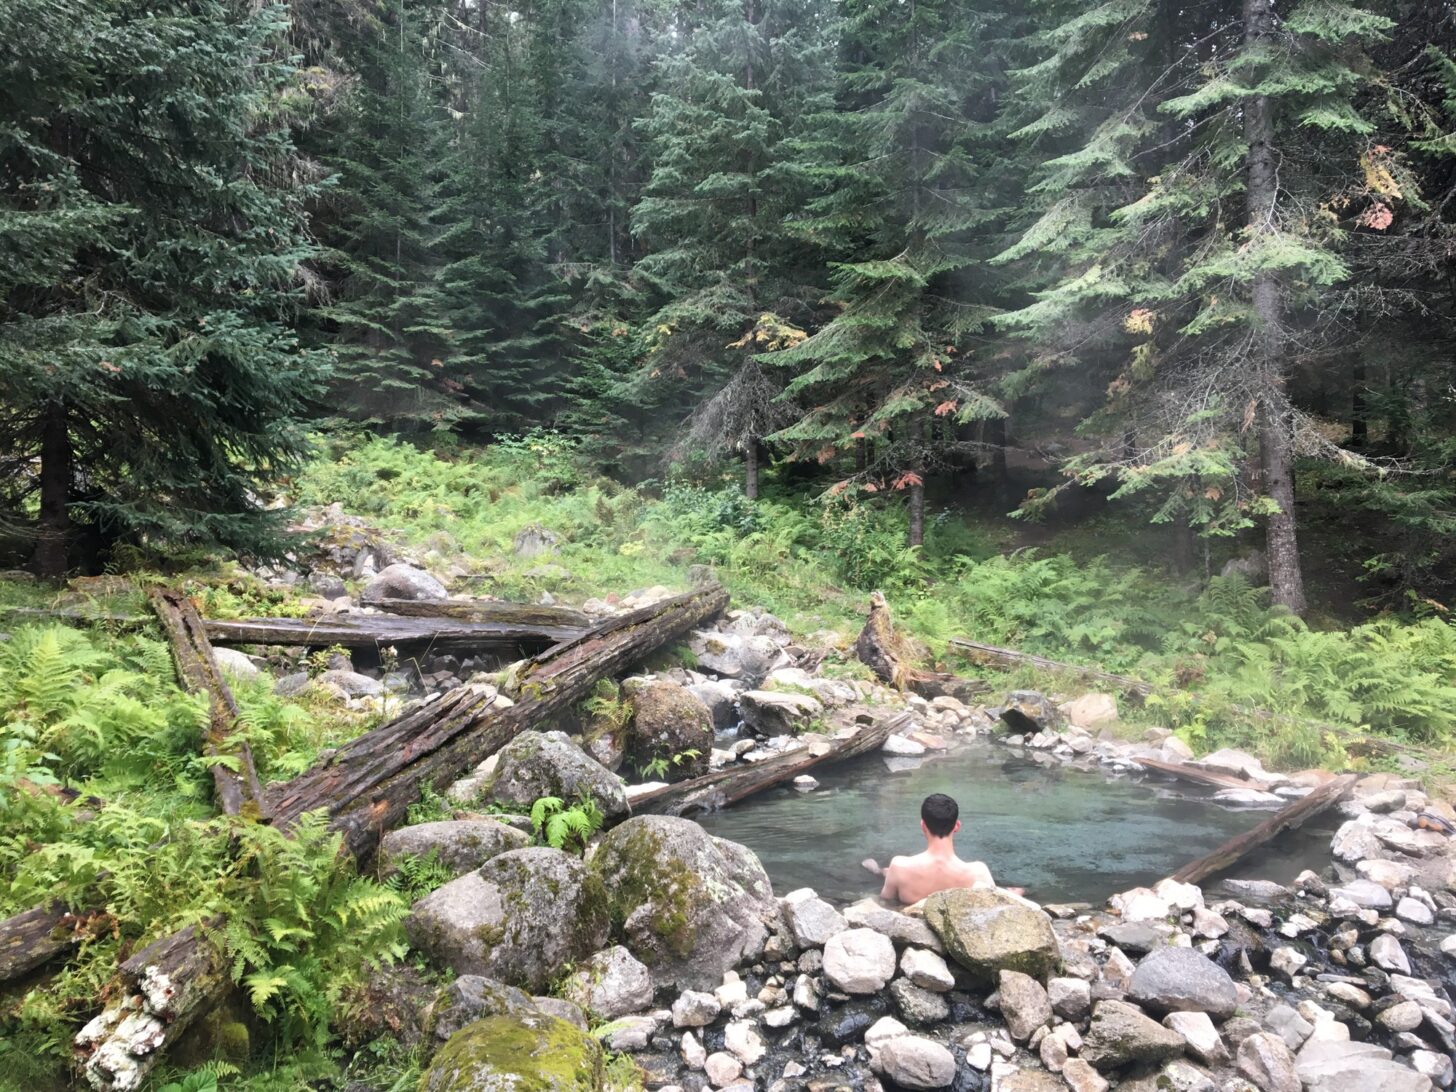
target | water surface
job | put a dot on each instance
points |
(1065, 834)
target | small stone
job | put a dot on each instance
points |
(1265, 1059)
(859, 961)
(1289, 1025)
(1024, 1004)
(978, 1056)
(693, 1054)
(740, 1038)
(1183, 980)
(1366, 894)
(884, 1029)
(1081, 1077)
(1387, 953)
(917, 1006)
(694, 1009)
(1287, 962)
(732, 991)
(1200, 1035)
(812, 920)
(722, 1068)
(1206, 923)
(1413, 910)
(1071, 998)
(927, 970)
(1349, 994)
(780, 1017)
(913, 1062)
(1404, 1016)
(805, 783)
(1435, 1066)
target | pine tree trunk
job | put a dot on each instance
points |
(750, 467)
(1276, 440)
(1359, 407)
(55, 489)
(916, 537)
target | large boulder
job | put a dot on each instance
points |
(521, 918)
(1326, 1065)
(859, 960)
(720, 697)
(473, 997)
(988, 931)
(522, 1053)
(1024, 1004)
(736, 656)
(669, 722)
(1183, 980)
(400, 581)
(778, 712)
(537, 764)
(688, 905)
(611, 984)
(1120, 1034)
(459, 844)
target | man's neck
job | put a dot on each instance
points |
(941, 848)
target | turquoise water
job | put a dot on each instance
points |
(1065, 834)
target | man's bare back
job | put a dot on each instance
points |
(910, 879)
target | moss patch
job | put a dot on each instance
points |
(530, 1053)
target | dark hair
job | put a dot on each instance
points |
(939, 814)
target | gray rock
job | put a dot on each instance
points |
(859, 961)
(913, 1062)
(1363, 893)
(1071, 998)
(505, 920)
(720, 698)
(778, 712)
(1387, 953)
(1289, 1025)
(1183, 980)
(400, 581)
(1081, 1077)
(473, 997)
(927, 970)
(901, 928)
(1331, 1065)
(688, 905)
(290, 685)
(920, 1008)
(1415, 911)
(537, 764)
(988, 932)
(238, 664)
(1200, 1035)
(353, 684)
(695, 1009)
(1120, 1034)
(1355, 841)
(1265, 1060)
(459, 844)
(1024, 1004)
(812, 920)
(327, 585)
(611, 984)
(563, 1010)
(736, 656)
(1436, 1066)
(534, 541)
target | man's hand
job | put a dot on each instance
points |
(869, 863)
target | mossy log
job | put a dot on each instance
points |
(381, 630)
(1289, 818)
(882, 650)
(366, 787)
(35, 936)
(729, 786)
(236, 780)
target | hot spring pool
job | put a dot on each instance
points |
(1065, 834)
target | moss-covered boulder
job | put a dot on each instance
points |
(988, 932)
(668, 722)
(686, 904)
(537, 764)
(521, 918)
(458, 844)
(517, 1053)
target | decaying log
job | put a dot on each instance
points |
(238, 790)
(164, 988)
(35, 936)
(880, 648)
(381, 630)
(1186, 772)
(992, 656)
(486, 610)
(729, 786)
(1289, 818)
(369, 783)
(366, 786)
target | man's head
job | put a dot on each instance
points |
(940, 815)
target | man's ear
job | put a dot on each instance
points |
(924, 829)
(957, 827)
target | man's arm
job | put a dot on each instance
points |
(891, 889)
(984, 879)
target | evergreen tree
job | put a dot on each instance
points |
(153, 232)
(911, 187)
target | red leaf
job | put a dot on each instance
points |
(946, 408)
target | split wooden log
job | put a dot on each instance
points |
(381, 630)
(34, 937)
(1289, 818)
(366, 787)
(235, 779)
(882, 650)
(993, 656)
(486, 610)
(1185, 772)
(724, 787)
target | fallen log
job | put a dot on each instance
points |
(381, 630)
(238, 790)
(993, 656)
(486, 610)
(724, 787)
(882, 650)
(1184, 772)
(1289, 818)
(369, 783)
(366, 787)
(35, 936)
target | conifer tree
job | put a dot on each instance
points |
(152, 241)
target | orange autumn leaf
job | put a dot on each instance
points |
(908, 479)
(946, 408)
(871, 487)
(858, 434)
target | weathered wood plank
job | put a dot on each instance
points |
(487, 610)
(380, 630)
(1185, 772)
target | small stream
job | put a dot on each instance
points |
(1063, 833)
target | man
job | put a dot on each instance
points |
(910, 879)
